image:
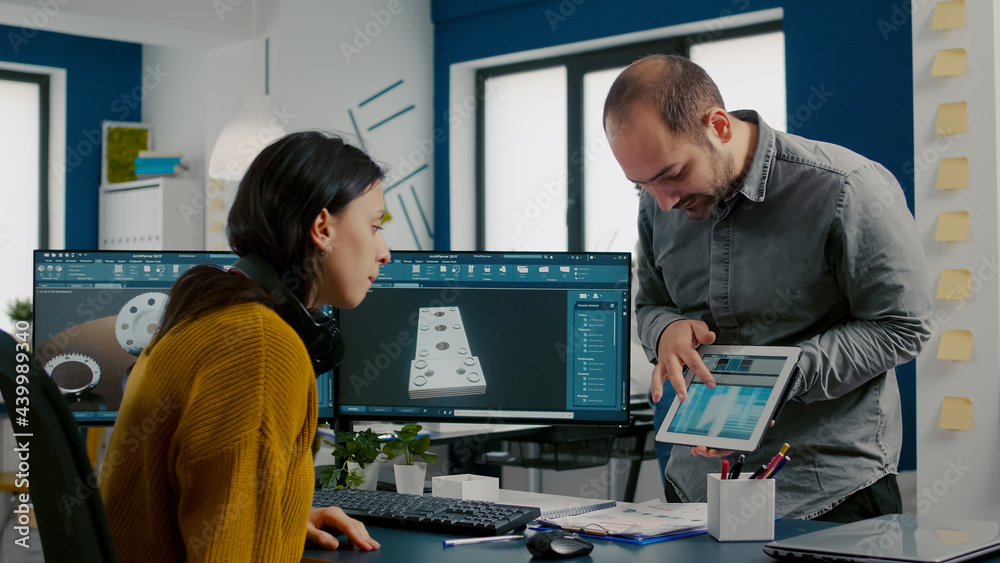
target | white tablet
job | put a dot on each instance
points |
(751, 382)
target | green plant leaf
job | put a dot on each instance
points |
(355, 479)
(329, 476)
(19, 309)
(399, 447)
(409, 431)
(420, 445)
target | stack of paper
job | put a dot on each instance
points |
(650, 519)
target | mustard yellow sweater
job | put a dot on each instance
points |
(210, 456)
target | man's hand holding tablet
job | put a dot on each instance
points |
(732, 413)
(678, 347)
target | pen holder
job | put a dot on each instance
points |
(740, 509)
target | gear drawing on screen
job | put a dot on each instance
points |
(139, 320)
(80, 372)
(444, 365)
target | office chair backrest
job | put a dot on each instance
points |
(61, 481)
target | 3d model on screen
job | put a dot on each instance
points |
(444, 365)
(138, 321)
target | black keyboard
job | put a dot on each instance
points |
(431, 514)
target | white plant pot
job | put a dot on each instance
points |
(410, 478)
(371, 474)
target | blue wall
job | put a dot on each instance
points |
(103, 82)
(857, 52)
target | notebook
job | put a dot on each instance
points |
(555, 506)
(896, 538)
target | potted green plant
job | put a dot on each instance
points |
(410, 473)
(357, 454)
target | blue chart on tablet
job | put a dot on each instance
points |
(733, 407)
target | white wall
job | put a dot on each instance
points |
(326, 58)
(174, 86)
(957, 470)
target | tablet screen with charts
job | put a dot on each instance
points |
(750, 384)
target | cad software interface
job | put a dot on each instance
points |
(95, 311)
(502, 337)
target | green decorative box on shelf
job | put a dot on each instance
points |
(122, 143)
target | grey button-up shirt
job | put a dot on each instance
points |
(816, 250)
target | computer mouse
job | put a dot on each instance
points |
(558, 544)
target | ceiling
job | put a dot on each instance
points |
(198, 24)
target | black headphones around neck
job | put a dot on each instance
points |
(318, 331)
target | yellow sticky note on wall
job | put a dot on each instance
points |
(949, 62)
(954, 284)
(949, 14)
(955, 345)
(953, 173)
(956, 413)
(217, 204)
(952, 226)
(952, 118)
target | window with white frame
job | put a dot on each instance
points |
(24, 161)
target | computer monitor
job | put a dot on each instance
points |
(94, 311)
(496, 337)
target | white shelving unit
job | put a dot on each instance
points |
(162, 213)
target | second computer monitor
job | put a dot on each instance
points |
(490, 337)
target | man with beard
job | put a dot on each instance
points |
(751, 236)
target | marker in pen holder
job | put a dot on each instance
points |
(740, 509)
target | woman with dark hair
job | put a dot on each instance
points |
(211, 458)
